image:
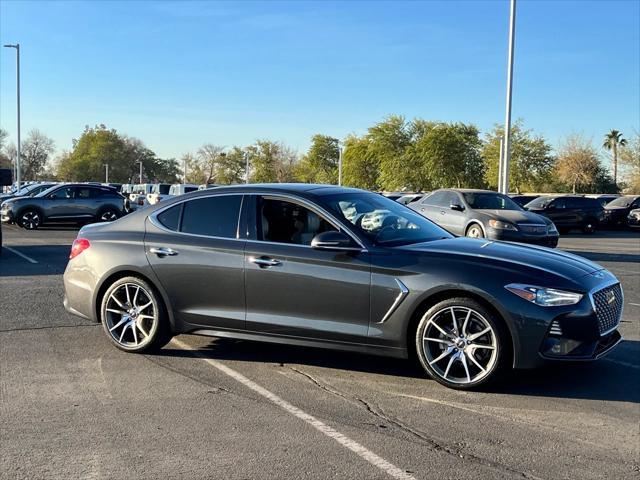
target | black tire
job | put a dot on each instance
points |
(158, 334)
(474, 231)
(31, 219)
(108, 215)
(463, 346)
(589, 226)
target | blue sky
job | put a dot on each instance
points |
(180, 74)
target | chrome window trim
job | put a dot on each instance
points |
(597, 288)
(156, 223)
(318, 210)
(404, 291)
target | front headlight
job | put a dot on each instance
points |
(551, 229)
(498, 225)
(546, 297)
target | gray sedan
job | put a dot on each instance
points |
(330, 267)
(486, 214)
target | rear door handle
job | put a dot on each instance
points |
(163, 251)
(263, 262)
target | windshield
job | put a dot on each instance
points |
(383, 221)
(161, 188)
(25, 190)
(540, 202)
(621, 201)
(490, 201)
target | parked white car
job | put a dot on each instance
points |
(138, 195)
(157, 194)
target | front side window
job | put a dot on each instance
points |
(212, 216)
(489, 201)
(84, 193)
(437, 199)
(62, 193)
(282, 221)
(383, 221)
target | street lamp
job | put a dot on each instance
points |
(140, 162)
(106, 172)
(503, 181)
(246, 167)
(17, 47)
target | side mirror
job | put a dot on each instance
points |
(456, 206)
(333, 241)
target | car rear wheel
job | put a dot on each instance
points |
(108, 215)
(133, 316)
(461, 344)
(589, 226)
(30, 219)
(475, 231)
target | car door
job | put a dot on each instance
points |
(60, 203)
(84, 202)
(195, 249)
(455, 221)
(296, 290)
(557, 212)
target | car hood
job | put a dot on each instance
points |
(515, 216)
(616, 209)
(553, 261)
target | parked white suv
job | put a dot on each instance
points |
(159, 194)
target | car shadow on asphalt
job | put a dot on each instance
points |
(607, 379)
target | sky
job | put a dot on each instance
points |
(181, 74)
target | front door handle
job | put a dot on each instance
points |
(264, 262)
(163, 251)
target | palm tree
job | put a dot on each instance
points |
(612, 141)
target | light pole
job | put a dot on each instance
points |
(339, 164)
(106, 172)
(184, 171)
(140, 162)
(504, 180)
(246, 168)
(17, 47)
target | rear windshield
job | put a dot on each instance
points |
(540, 202)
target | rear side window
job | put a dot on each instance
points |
(170, 218)
(212, 216)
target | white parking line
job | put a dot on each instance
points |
(635, 304)
(343, 440)
(28, 259)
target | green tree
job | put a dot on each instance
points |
(5, 161)
(320, 164)
(445, 155)
(531, 162)
(231, 168)
(98, 146)
(612, 141)
(271, 162)
(35, 152)
(360, 168)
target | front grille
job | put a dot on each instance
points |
(539, 229)
(608, 305)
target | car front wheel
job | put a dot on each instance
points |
(133, 316)
(475, 231)
(461, 344)
(30, 219)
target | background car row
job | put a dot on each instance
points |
(450, 209)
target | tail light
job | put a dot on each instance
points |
(79, 246)
(141, 201)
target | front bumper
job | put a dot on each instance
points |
(546, 240)
(7, 216)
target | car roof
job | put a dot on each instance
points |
(306, 188)
(465, 190)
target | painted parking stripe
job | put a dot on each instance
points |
(620, 362)
(342, 439)
(635, 304)
(13, 250)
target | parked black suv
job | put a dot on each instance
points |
(569, 212)
(68, 202)
(616, 211)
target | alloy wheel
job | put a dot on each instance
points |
(108, 216)
(460, 345)
(475, 232)
(131, 316)
(30, 220)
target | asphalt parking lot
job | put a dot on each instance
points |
(73, 406)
